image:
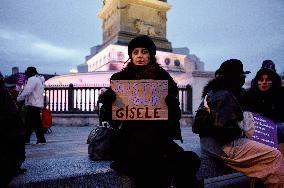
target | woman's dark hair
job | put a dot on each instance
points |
(31, 71)
(275, 78)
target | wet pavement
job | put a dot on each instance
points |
(66, 141)
(61, 142)
(65, 156)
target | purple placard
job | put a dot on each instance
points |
(21, 79)
(265, 131)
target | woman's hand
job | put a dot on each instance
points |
(107, 97)
(172, 101)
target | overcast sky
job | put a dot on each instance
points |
(56, 35)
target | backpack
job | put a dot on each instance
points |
(203, 120)
(203, 124)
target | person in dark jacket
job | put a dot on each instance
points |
(146, 150)
(12, 137)
(266, 97)
(225, 139)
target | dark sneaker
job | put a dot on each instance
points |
(21, 170)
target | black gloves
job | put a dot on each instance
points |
(174, 113)
(107, 97)
(173, 107)
(172, 101)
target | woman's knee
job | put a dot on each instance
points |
(189, 161)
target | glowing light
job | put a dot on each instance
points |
(73, 71)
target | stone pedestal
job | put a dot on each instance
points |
(126, 19)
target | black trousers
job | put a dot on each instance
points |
(177, 168)
(33, 122)
(280, 132)
(12, 144)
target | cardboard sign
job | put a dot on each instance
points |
(140, 99)
(265, 131)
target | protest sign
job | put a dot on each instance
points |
(265, 131)
(21, 79)
(140, 99)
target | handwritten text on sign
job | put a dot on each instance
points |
(140, 99)
(265, 131)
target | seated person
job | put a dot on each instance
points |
(266, 98)
(146, 149)
(224, 138)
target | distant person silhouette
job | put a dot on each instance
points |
(12, 136)
(34, 102)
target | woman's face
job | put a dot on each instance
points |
(141, 56)
(264, 83)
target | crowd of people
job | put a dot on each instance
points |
(149, 145)
(226, 102)
(146, 149)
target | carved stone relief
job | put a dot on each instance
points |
(125, 18)
(122, 6)
(162, 16)
(143, 28)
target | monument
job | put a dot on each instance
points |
(123, 20)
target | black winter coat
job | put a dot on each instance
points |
(147, 139)
(225, 111)
(12, 137)
(269, 104)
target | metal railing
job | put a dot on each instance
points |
(83, 99)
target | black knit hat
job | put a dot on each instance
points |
(231, 67)
(268, 64)
(267, 71)
(142, 41)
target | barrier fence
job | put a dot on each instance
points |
(83, 99)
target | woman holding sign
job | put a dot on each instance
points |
(146, 150)
(266, 98)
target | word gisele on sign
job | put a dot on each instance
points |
(140, 99)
